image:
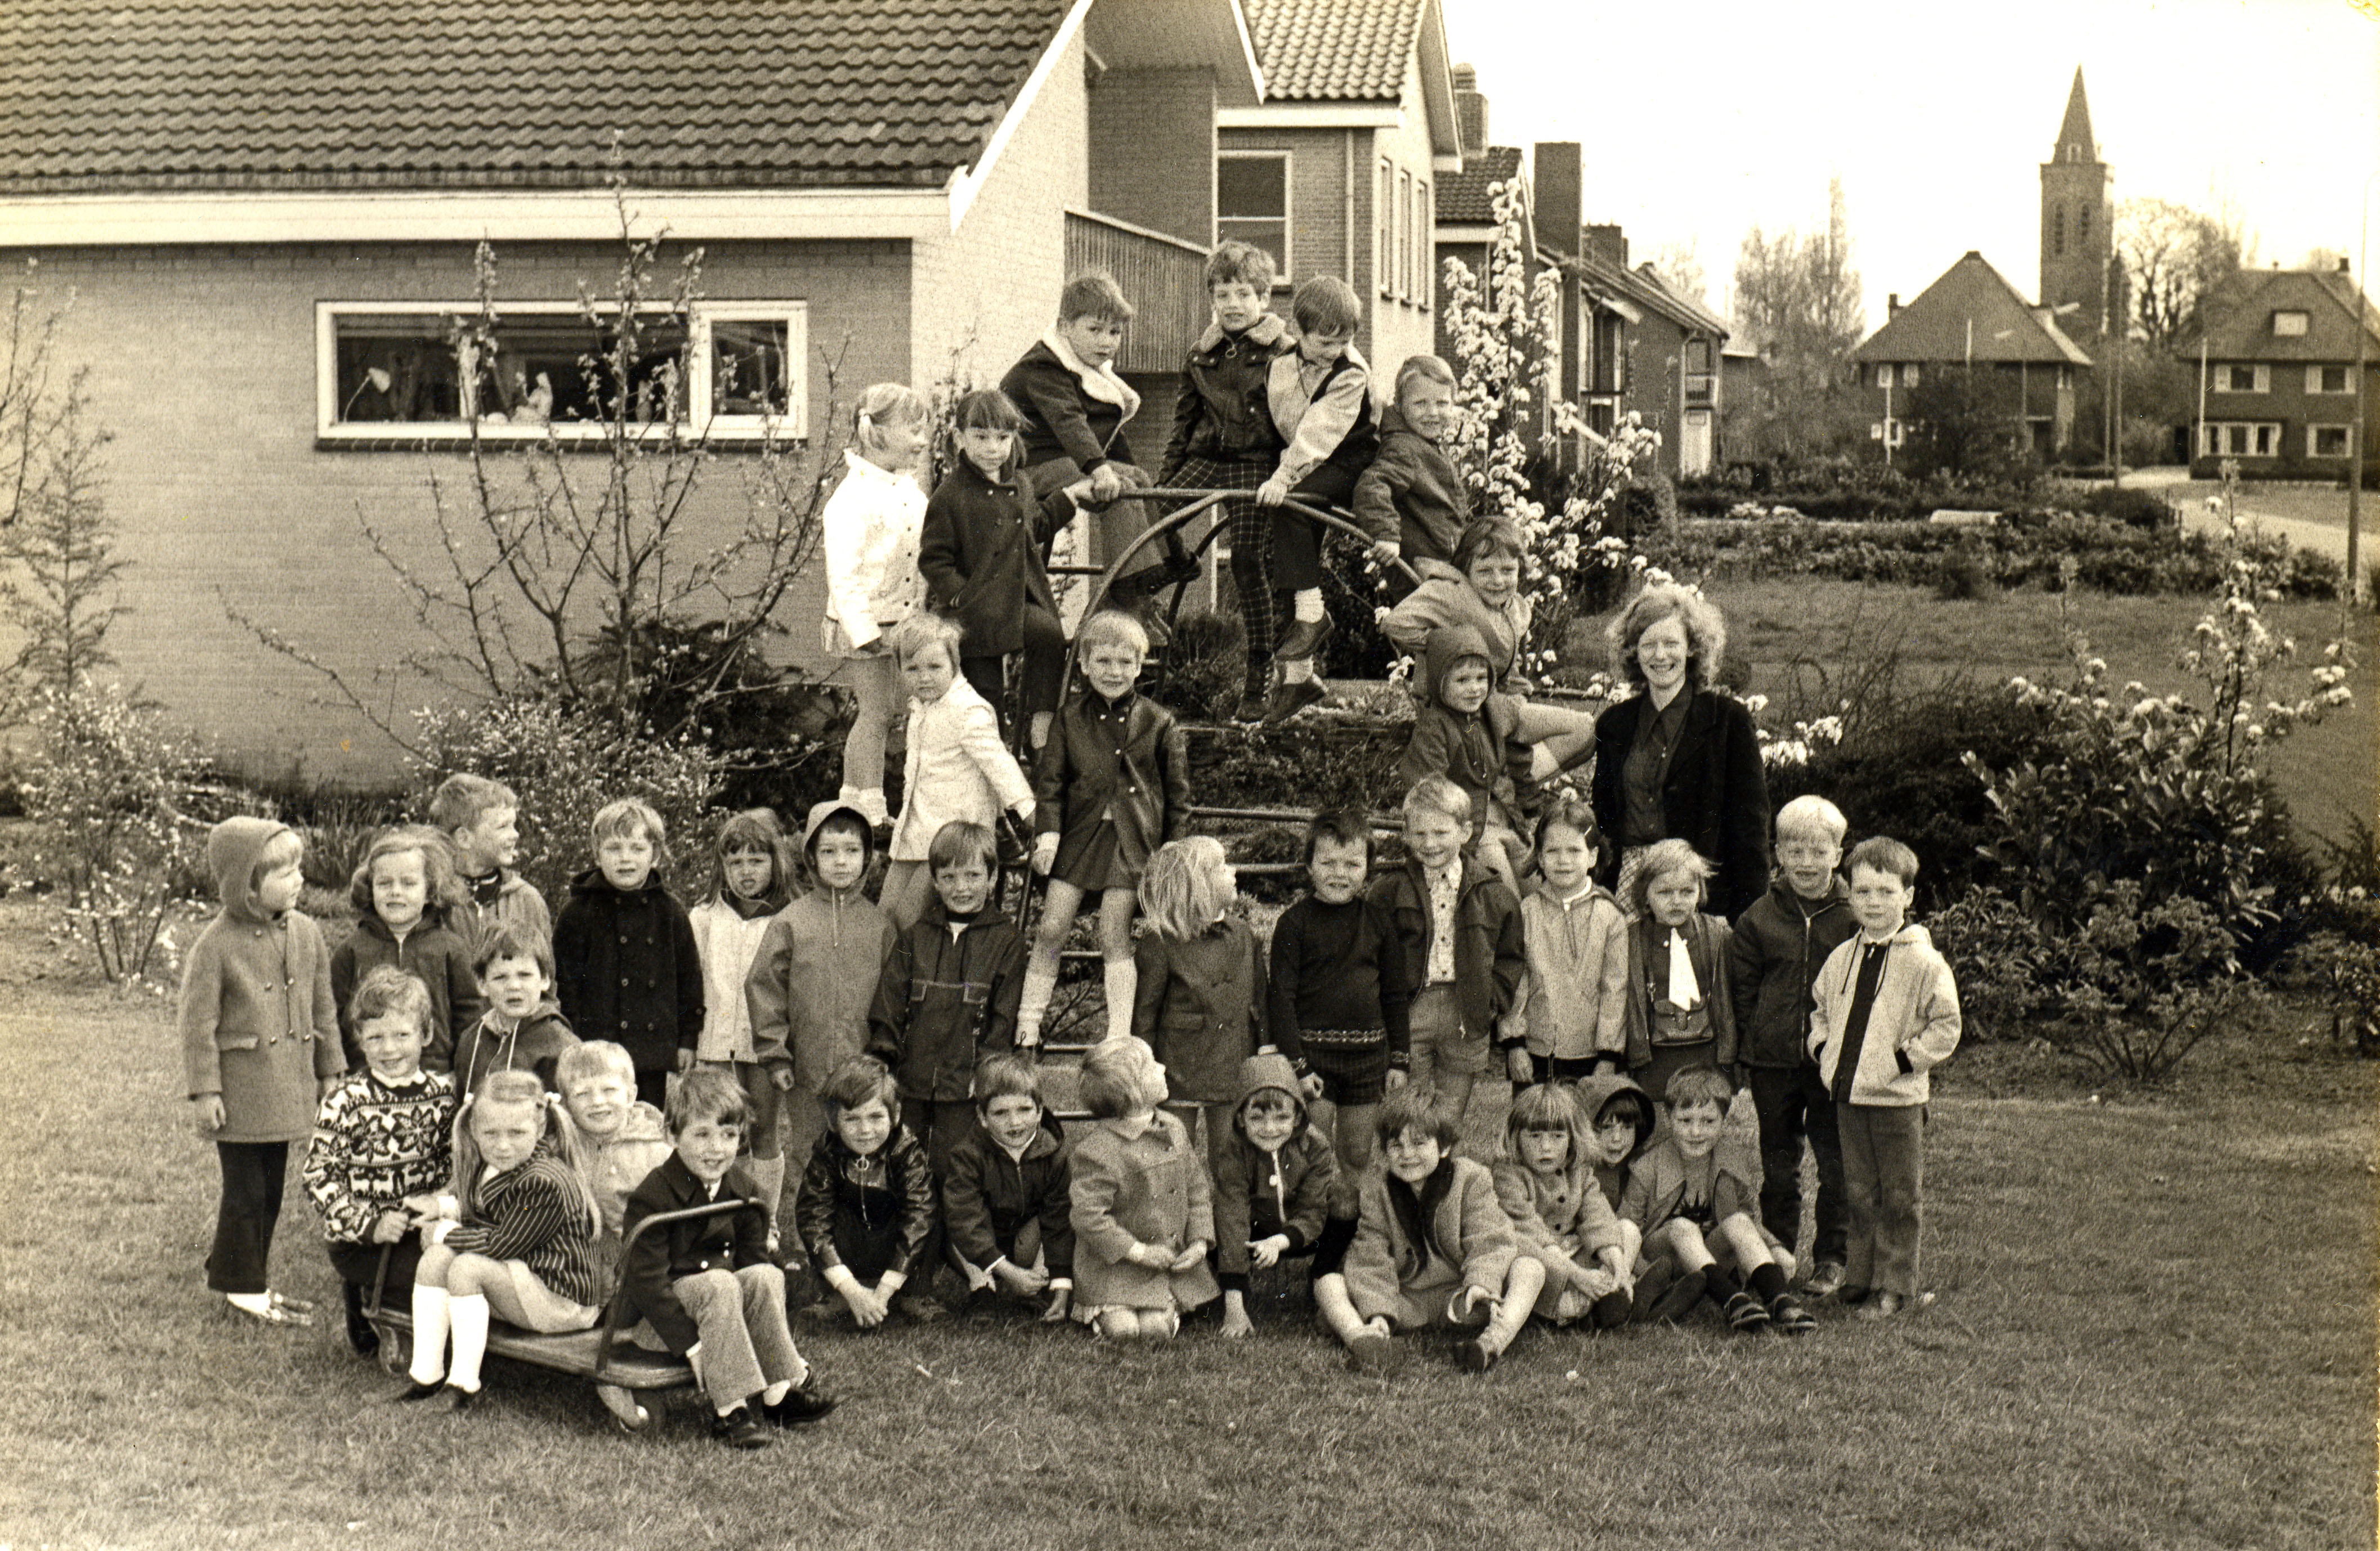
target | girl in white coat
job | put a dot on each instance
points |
(957, 768)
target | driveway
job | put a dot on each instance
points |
(2309, 516)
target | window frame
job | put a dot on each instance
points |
(1404, 234)
(1288, 262)
(2300, 316)
(1425, 249)
(2260, 374)
(1384, 229)
(2345, 433)
(2315, 387)
(2218, 435)
(697, 419)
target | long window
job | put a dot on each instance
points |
(1384, 246)
(2241, 439)
(1252, 203)
(434, 370)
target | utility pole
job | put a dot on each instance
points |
(2120, 328)
(2356, 591)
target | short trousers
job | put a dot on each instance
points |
(1427, 1308)
(1561, 1069)
(549, 1313)
(1351, 1073)
(1438, 1029)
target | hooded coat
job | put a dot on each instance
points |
(625, 968)
(1592, 1094)
(814, 975)
(537, 1045)
(1259, 1193)
(1479, 752)
(257, 1022)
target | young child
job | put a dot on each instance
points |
(1143, 1209)
(867, 1206)
(1008, 1193)
(482, 818)
(1413, 500)
(707, 1285)
(1465, 733)
(1275, 1182)
(515, 1238)
(752, 880)
(260, 1049)
(1547, 1184)
(522, 1029)
(1680, 1010)
(1695, 1214)
(1199, 999)
(1224, 437)
(624, 963)
(623, 1140)
(814, 974)
(382, 1146)
(1885, 1014)
(1432, 1247)
(1620, 1118)
(1574, 1001)
(1774, 955)
(981, 554)
(1075, 406)
(404, 892)
(1460, 930)
(956, 770)
(1485, 597)
(869, 531)
(947, 994)
(1340, 1003)
(1110, 786)
(1321, 403)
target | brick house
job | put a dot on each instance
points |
(2277, 351)
(1972, 318)
(268, 217)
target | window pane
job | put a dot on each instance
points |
(2289, 325)
(1270, 236)
(2334, 380)
(399, 367)
(2264, 442)
(1252, 186)
(748, 370)
(2330, 441)
(430, 368)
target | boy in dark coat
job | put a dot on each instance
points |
(1006, 1195)
(1275, 1184)
(626, 967)
(1413, 500)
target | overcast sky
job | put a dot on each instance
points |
(1699, 120)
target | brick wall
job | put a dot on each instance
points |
(1152, 150)
(203, 364)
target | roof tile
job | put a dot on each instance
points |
(1333, 49)
(1971, 314)
(1464, 198)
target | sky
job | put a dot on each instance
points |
(1699, 121)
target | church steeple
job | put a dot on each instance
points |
(2078, 221)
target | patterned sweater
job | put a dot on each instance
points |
(374, 1145)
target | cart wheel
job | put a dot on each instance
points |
(622, 1404)
(396, 1350)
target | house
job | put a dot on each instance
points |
(268, 216)
(2277, 351)
(1973, 319)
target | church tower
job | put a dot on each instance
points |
(2078, 222)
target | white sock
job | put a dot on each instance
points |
(870, 799)
(1042, 720)
(776, 1392)
(469, 1317)
(430, 1305)
(1300, 671)
(1122, 979)
(254, 1302)
(1306, 605)
(1034, 1005)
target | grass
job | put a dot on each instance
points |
(2154, 1328)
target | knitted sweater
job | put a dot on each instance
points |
(376, 1143)
(1339, 968)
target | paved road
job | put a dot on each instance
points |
(2311, 517)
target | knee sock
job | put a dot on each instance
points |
(1767, 1282)
(1122, 977)
(1041, 979)
(430, 1322)
(1042, 720)
(1331, 1249)
(469, 1317)
(1306, 605)
(769, 1173)
(1719, 1284)
(1298, 672)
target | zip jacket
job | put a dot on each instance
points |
(1773, 961)
(1913, 1028)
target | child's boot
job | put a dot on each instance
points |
(361, 1338)
(1478, 1354)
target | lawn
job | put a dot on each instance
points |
(2154, 1328)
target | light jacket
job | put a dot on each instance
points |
(1913, 1028)
(1773, 961)
(1149, 1189)
(814, 978)
(1472, 1243)
(1324, 415)
(728, 942)
(870, 531)
(955, 767)
(1443, 601)
(517, 903)
(1656, 1185)
(1576, 995)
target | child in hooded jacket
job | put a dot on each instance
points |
(957, 769)
(1466, 732)
(405, 893)
(1275, 1180)
(752, 878)
(260, 1047)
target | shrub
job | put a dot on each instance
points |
(1204, 666)
(1998, 953)
(1964, 573)
(2133, 508)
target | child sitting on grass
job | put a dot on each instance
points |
(623, 1140)
(1143, 1208)
(626, 967)
(515, 1238)
(752, 876)
(867, 1206)
(1699, 1218)
(1887, 1014)
(706, 1285)
(1413, 501)
(1275, 1180)
(1574, 1004)
(1681, 1012)
(522, 1030)
(1546, 1182)
(1008, 1193)
(260, 1049)
(1619, 1122)
(482, 817)
(403, 892)
(956, 769)
(382, 1146)
(1432, 1247)
(1199, 1000)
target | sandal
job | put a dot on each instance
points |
(273, 1313)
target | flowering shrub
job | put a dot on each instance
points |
(103, 783)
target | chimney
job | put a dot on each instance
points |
(1561, 192)
(1891, 306)
(1470, 110)
(2342, 264)
(1609, 244)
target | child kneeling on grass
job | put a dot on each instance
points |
(1144, 1212)
(706, 1284)
(1432, 1246)
(1007, 1194)
(1275, 1179)
(1702, 1217)
(867, 1206)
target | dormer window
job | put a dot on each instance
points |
(2289, 325)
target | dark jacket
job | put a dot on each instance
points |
(1224, 413)
(728, 1242)
(1061, 419)
(1491, 953)
(945, 1001)
(626, 969)
(538, 1045)
(988, 1197)
(1773, 961)
(1259, 1195)
(981, 557)
(889, 1192)
(1083, 776)
(434, 952)
(1414, 494)
(1715, 796)
(1479, 752)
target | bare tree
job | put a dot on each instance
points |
(2173, 257)
(1798, 297)
(1679, 265)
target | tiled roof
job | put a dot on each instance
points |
(145, 94)
(1972, 313)
(1463, 198)
(1334, 49)
(2240, 318)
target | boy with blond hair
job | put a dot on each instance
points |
(482, 817)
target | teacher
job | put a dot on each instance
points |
(1680, 759)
